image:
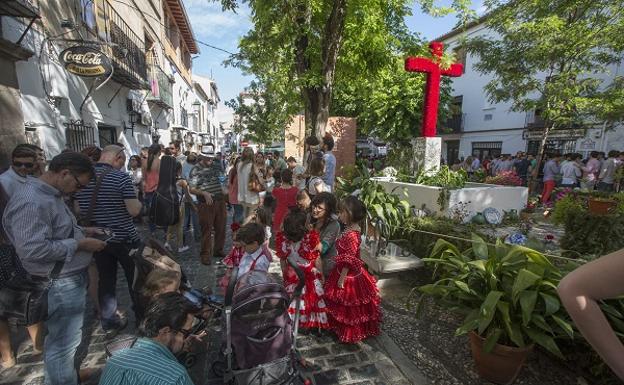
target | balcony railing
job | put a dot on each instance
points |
(455, 123)
(128, 52)
(164, 96)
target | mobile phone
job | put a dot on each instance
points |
(106, 236)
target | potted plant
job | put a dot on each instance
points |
(601, 205)
(508, 296)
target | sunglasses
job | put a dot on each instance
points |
(23, 164)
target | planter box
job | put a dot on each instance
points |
(480, 196)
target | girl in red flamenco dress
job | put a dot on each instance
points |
(351, 294)
(305, 248)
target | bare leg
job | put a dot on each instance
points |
(8, 360)
(581, 289)
(35, 331)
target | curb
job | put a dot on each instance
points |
(402, 362)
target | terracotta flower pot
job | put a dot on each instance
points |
(601, 207)
(502, 364)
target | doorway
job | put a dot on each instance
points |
(452, 151)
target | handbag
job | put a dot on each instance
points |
(24, 300)
(254, 184)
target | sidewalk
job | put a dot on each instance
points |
(376, 361)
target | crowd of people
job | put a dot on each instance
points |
(599, 171)
(75, 219)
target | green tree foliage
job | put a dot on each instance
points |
(259, 115)
(298, 48)
(555, 57)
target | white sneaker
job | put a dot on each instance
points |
(183, 249)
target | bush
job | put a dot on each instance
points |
(505, 178)
(589, 234)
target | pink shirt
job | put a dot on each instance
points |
(591, 170)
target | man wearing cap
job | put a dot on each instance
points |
(206, 184)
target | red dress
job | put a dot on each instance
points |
(285, 199)
(312, 312)
(354, 310)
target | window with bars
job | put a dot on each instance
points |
(78, 135)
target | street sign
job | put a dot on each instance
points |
(86, 61)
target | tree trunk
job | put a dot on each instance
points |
(540, 156)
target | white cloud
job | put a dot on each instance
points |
(210, 22)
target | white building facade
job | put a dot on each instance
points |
(479, 128)
(148, 97)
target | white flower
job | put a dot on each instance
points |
(390, 172)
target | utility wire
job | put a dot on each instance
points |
(167, 27)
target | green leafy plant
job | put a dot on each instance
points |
(507, 293)
(384, 207)
(565, 206)
(445, 177)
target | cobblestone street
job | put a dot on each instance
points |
(376, 361)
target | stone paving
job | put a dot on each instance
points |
(376, 361)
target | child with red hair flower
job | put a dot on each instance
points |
(233, 259)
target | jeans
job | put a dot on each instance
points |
(191, 219)
(238, 214)
(66, 308)
(147, 201)
(106, 261)
(607, 187)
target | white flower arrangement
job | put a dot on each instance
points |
(389, 172)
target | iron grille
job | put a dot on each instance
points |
(78, 135)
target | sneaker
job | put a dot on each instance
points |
(183, 249)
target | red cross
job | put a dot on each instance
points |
(432, 90)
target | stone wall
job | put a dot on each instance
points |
(343, 130)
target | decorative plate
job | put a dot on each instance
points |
(492, 216)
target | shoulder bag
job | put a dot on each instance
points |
(254, 184)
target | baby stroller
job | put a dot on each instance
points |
(260, 337)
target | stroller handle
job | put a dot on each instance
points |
(299, 273)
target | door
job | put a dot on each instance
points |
(107, 135)
(452, 151)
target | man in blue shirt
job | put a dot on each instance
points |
(330, 161)
(151, 360)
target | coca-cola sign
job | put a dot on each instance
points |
(86, 61)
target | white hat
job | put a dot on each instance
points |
(208, 150)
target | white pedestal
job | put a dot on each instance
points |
(427, 153)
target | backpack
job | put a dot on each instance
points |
(165, 206)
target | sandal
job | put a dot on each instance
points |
(11, 362)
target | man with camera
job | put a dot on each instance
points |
(152, 358)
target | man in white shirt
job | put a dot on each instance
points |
(330, 162)
(298, 173)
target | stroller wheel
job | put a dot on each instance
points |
(190, 360)
(218, 368)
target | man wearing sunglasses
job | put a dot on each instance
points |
(44, 232)
(151, 360)
(23, 164)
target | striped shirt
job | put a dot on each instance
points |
(208, 179)
(146, 363)
(43, 230)
(110, 209)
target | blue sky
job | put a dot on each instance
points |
(224, 29)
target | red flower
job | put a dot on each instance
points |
(549, 237)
